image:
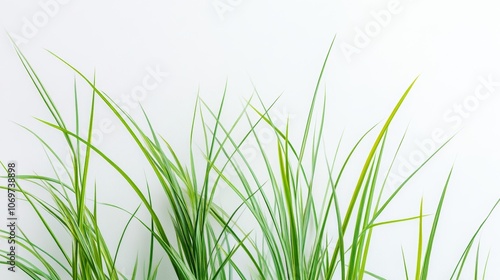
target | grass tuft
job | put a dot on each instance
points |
(302, 231)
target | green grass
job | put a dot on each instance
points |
(302, 231)
(87, 256)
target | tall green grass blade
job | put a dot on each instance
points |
(363, 174)
(430, 242)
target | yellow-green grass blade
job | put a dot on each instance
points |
(369, 225)
(363, 173)
(395, 221)
(357, 239)
(366, 238)
(403, 184)
(333, 200)
(420, 242)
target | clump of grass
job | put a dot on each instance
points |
(294, 225)
(88, 256)
(200, 248)
(292, 222)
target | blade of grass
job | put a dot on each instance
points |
(430, 242)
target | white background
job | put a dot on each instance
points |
(280, 46)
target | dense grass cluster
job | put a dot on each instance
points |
(294, 209)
